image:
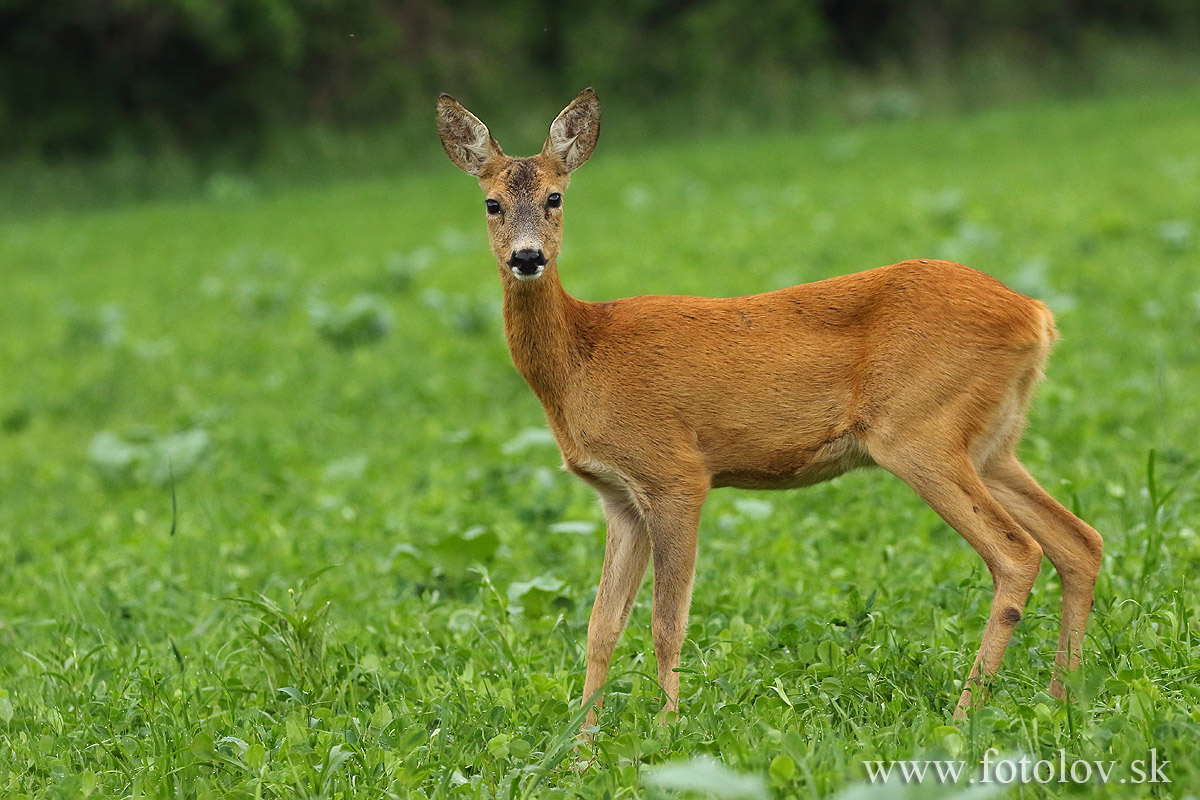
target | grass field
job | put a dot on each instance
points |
(279, 519)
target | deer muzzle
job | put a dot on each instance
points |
(527, 264)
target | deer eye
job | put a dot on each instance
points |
(493, 207)
(554, 200)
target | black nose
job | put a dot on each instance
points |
(527, 261)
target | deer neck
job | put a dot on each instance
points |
(541, 322)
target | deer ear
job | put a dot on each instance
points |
(465, 139)
(574, 132)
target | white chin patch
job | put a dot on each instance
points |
(532, 277)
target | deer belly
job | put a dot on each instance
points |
(790, 468)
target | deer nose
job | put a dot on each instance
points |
(527, 261)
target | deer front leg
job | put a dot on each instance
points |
(673, 526)
(626, 551)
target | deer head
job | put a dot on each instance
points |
(523, 196)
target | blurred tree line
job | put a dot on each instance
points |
(88, 76)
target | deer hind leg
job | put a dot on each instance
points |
(952, 487)
(1073, 547)
(626, 551)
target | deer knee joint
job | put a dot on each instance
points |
(1010, 615)
(1081, 564)
(1092, 547)
(1026, 559)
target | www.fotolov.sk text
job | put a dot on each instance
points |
(994, 768)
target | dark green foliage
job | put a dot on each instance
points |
(925, 31)
(366, 318)
(93, 77)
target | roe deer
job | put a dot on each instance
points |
(924, 368)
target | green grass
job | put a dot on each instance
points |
(280, 520)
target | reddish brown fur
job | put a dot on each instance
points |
(923, 367)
